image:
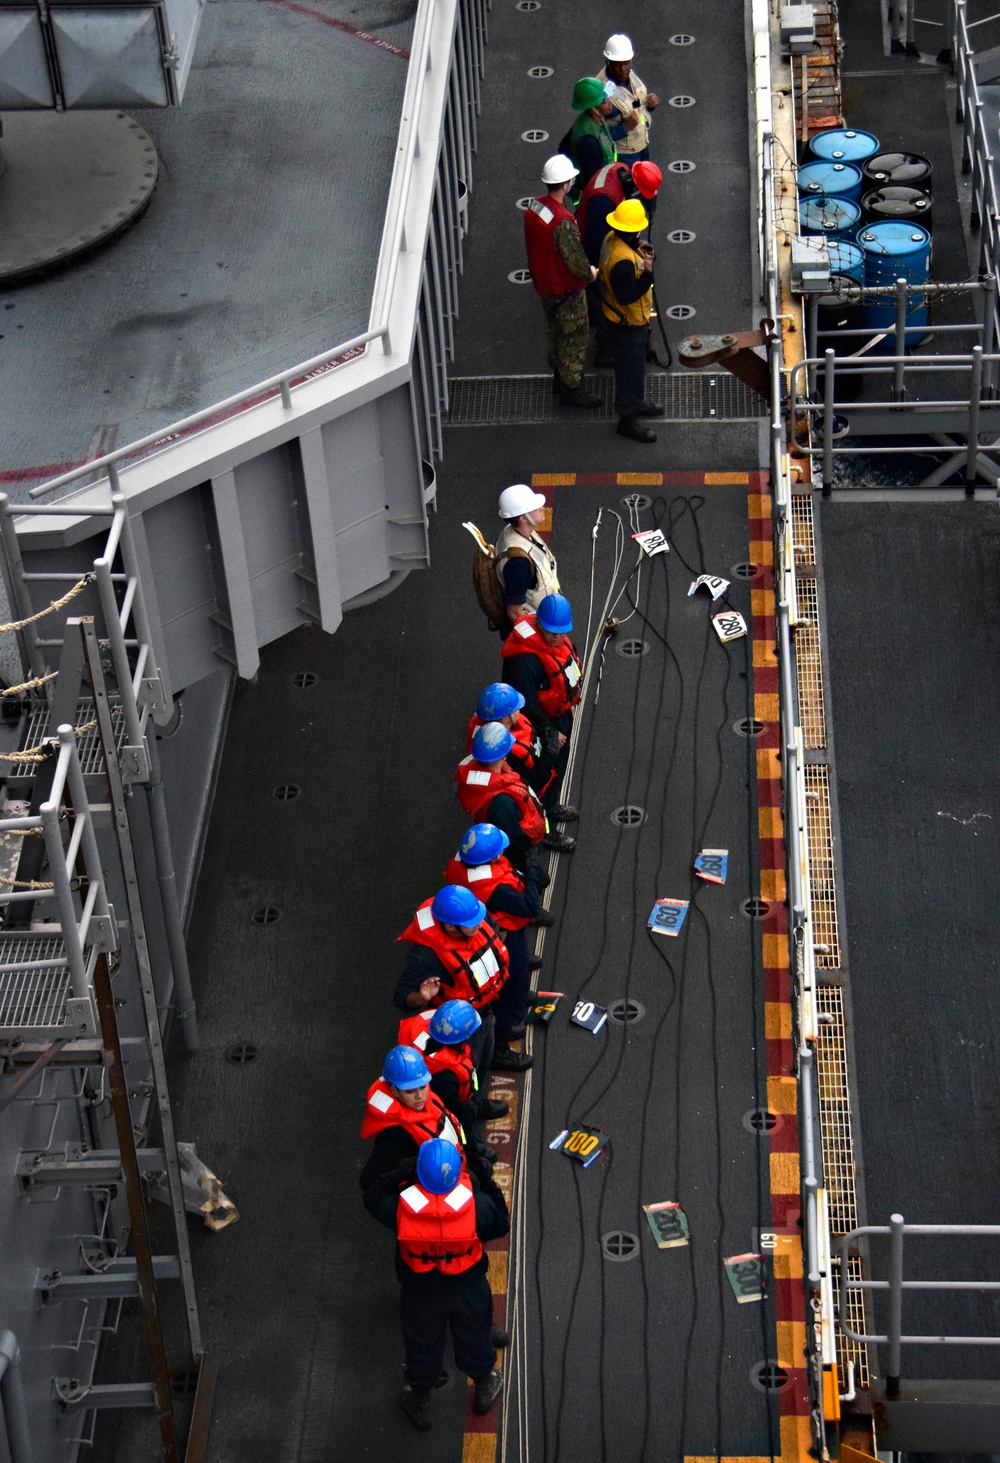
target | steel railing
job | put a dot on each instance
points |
(893, 1337)
(818, 1262)
(468, 54)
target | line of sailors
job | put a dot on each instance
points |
(463, 997)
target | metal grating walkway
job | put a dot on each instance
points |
(32, 1001)
(688, 396)
(822, 870)
(803, 535)
(88, 745)
(808, 659)
(838, 1159)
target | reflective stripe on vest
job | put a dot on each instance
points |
(458, 955)
(561, 664)
(550, 274)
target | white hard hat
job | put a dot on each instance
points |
(619, 48)
(518, 499)
(559, 169)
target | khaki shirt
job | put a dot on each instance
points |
(631, 98)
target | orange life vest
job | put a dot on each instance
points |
(561, 662)
(482, 879)
(478, 783)
(527, 744)
(414, 1031)
(384, 1110)
(438, 1231)
(476, 967)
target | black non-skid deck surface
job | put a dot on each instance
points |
(651, 1358)
(913, 643)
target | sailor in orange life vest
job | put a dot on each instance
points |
(490, 790)
(514, 901)
(442, 1221)
(441, 1034)
(456, 952)
(500, 702)
(401, 1113)
(541, 662)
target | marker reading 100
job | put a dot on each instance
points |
(583, 1144)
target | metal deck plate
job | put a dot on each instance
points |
(687, 396)
(32, 1000)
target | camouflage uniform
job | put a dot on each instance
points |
(566, 315)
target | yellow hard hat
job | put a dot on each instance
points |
(629, 216)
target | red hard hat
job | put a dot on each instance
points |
(647, 178)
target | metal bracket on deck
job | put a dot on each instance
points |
(736, 352)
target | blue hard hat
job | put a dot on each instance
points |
(439, 1166)
(453, 1022)
(482, 843)
(456, 905)
(405, 1068)
(491, 742)
(497, 701)
(555, 614)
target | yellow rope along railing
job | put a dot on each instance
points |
(57, 604)
(29, 685)
(44, 750)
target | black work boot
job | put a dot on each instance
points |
(576, 396)
(493, 1107)
(535, 962)
(561, 842)
(649, 409)
(563, 813)
(544, 919)
(506, 1059)
(488, 1389)
(417, 1406)
(638, 431)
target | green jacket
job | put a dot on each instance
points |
(586, 126)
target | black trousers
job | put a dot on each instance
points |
(628, 342)
(511, 1004)
(428, 1309)
(481, 1043)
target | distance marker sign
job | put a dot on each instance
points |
(668, 1223)
(747, 1276)
(543, 1007)
(580, 1142)
(589, 1016)
(712, 865)
(652, 541)
(667, 916)
(729, 625)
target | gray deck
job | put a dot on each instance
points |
(258, 250)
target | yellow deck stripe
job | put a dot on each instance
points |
(782, 1094)
(640, 480)
(479, 1447)
(777, 1020)
(496, 1271)
(553, 479)
(773, 887)
(720, 479)
(785, 1177)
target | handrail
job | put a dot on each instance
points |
(893, 1336)
(393, 244)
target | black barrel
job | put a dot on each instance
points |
(834, 315)
(900, 169)
(910, 205)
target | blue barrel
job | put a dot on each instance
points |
(847, 260)
(836, 218)
(844, 145)
(832, 180)
(895, 250)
